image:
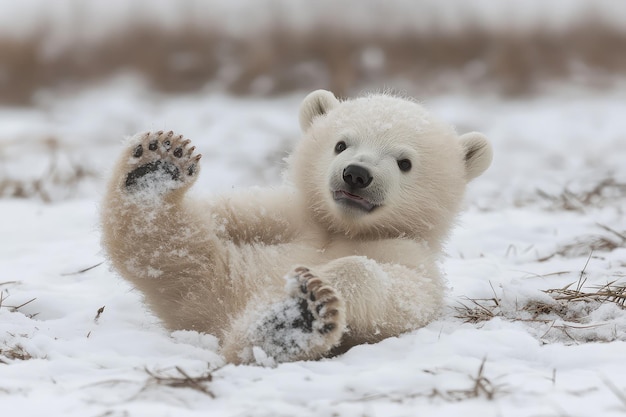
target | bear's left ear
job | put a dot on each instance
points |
(478, 154)
(317, 103)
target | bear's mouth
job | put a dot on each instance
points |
(353, 200)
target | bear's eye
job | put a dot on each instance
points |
(404, 165)
(340, 147)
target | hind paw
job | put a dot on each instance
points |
(320, 305)
(307, 325)
(160, 161)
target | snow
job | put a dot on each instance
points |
(511, 243)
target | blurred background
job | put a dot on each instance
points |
(78, 72)
(269, 47)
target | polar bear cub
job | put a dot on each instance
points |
(345, 253)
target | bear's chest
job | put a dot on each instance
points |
(324, 248)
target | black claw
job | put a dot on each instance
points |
(312, 297)
(153, 145)
(138, 151)
(191, 170)
(178, 152)
(167, 144)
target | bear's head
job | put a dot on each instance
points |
(381, 166)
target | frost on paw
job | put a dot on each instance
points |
(160, 162)
(307, 325)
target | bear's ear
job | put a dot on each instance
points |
(317, 103)
(477, 152)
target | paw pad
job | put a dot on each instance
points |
(153, 161)
(308, 324)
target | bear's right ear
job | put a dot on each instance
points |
(478, 154)
(317, 103)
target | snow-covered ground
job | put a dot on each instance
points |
(549, 212)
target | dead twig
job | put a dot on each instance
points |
(16, 352)
(622, 236)
(610, 292)
(582, 281)
(481, 311)
(616, 391)
(481, 387)
(82, 271)
(605, 190)
(98, 313)
(184, 381)
(13, 309)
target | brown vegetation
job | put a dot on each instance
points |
(13, 353)
(283, 59)
(567, 310)
(41, 187)
(181, 380)
(605, 192)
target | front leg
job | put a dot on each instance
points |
(143, 212)
(258, 215)
(157, 239)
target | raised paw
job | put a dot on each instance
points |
(307, 325)
(161, 161)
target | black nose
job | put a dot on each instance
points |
(357, 176)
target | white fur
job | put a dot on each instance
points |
(221, 263)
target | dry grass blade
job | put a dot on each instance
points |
(13, 353)
(482, 384)
(482, 387)
(2, 292)
(13, 309)
(559, 312)
(483, 309)
(55, 180)
(582, 281)
(184, 380)
(82, 271)
(590, 243)
(616, 391)
(605, 191)
(622, 236)
(611, 292)
(480, 311)
(98, 314)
